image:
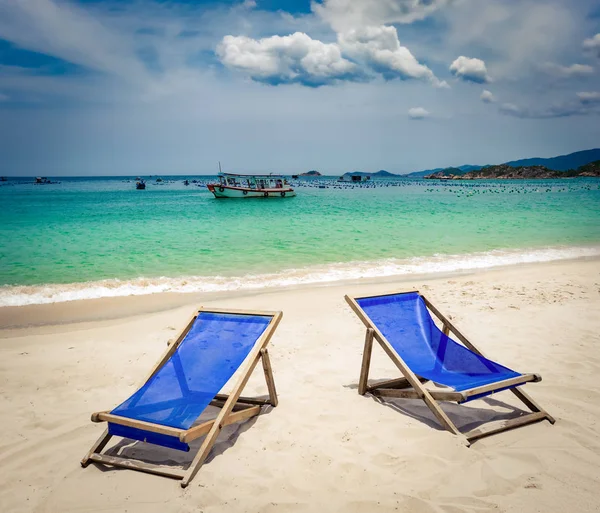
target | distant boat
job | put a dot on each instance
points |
(141, 185)
(251, 186)
(3, 179)
(354, 178)
(42, 180)
(186, 182)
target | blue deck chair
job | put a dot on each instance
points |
(187, 379)
(403, 326)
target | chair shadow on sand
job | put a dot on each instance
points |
(157, 455)
(465, 417)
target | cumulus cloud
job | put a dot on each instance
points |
(574, 70)
(418, 113)
(593, 44)
(344, 15)
(487, 97)
(380, 49)
(288, 59)
(470, 70)
(358, 55)
(589, 97)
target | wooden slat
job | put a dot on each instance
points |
(438, 395)
(236, 407)
(201, 429)
(212, 435)
(138, 465)
(222, 398)
(405, 369)
(262, 313)
(388, 294)
(268, 371)
(507, 383)
(447, 395)
(504, 425)
(366, 362)
(393, 383)
(140, 424)
(401, 394)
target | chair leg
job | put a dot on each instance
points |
(266, 362)
(366, 362)
(203, 453)
(531, 404)
(96, 448)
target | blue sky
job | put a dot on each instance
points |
(145, 87)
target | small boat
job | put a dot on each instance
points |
(186, 182)
(42, 180)
(251, 186)
(141, 185)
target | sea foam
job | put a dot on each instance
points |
(54, 293)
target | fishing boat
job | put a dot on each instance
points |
(140, 185)
(251, 186)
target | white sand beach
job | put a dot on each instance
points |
(324, 448)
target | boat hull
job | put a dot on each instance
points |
(226, 191)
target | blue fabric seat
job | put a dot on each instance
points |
(405, 321)
(177, 394)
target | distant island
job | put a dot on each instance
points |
(507, 172)
(572, 161)
(313, 173)
(381, 172)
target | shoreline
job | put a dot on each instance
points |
(106, 309)
(420, 267)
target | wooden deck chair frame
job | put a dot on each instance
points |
(411, 386)
(234, 407)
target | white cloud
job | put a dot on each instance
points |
(588, 97)
(344, 15)
(358, 55)
(574, 70)
(418, 113)
(470, 70)
(487, 97)
(380, 49)
(593, 44)
(287, 59)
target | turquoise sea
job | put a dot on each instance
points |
(94, 237)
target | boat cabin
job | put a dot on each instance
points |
(252, 181)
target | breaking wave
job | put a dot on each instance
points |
(54, 293)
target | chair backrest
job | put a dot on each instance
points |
(212, 350)
(405, 321)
